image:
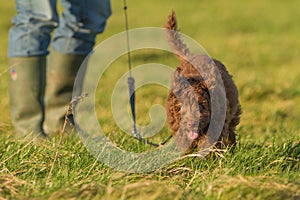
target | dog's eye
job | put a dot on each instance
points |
(191, 80)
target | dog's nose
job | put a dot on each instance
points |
(193, 135)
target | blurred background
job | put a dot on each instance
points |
(259, 43)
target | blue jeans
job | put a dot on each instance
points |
(75, 33)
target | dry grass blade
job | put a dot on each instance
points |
(19, 150)
(4, 71)
(10, 184)
(68, 114)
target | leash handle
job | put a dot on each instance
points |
(132, 106)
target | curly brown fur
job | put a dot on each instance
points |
(188, 105)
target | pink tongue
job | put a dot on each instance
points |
(193, 135)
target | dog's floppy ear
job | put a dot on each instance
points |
(174, 38)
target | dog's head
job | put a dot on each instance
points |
(194, 100)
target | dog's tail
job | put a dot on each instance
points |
(174, 38)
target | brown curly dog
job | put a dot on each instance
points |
(189, 104)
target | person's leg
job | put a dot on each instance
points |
(73, 40)
(29, 38)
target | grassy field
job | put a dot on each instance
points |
(259, 43)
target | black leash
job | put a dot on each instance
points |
(132, 91)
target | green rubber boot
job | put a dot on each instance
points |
(26, 89)
(61, 73)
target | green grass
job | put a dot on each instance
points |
(259, 43)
